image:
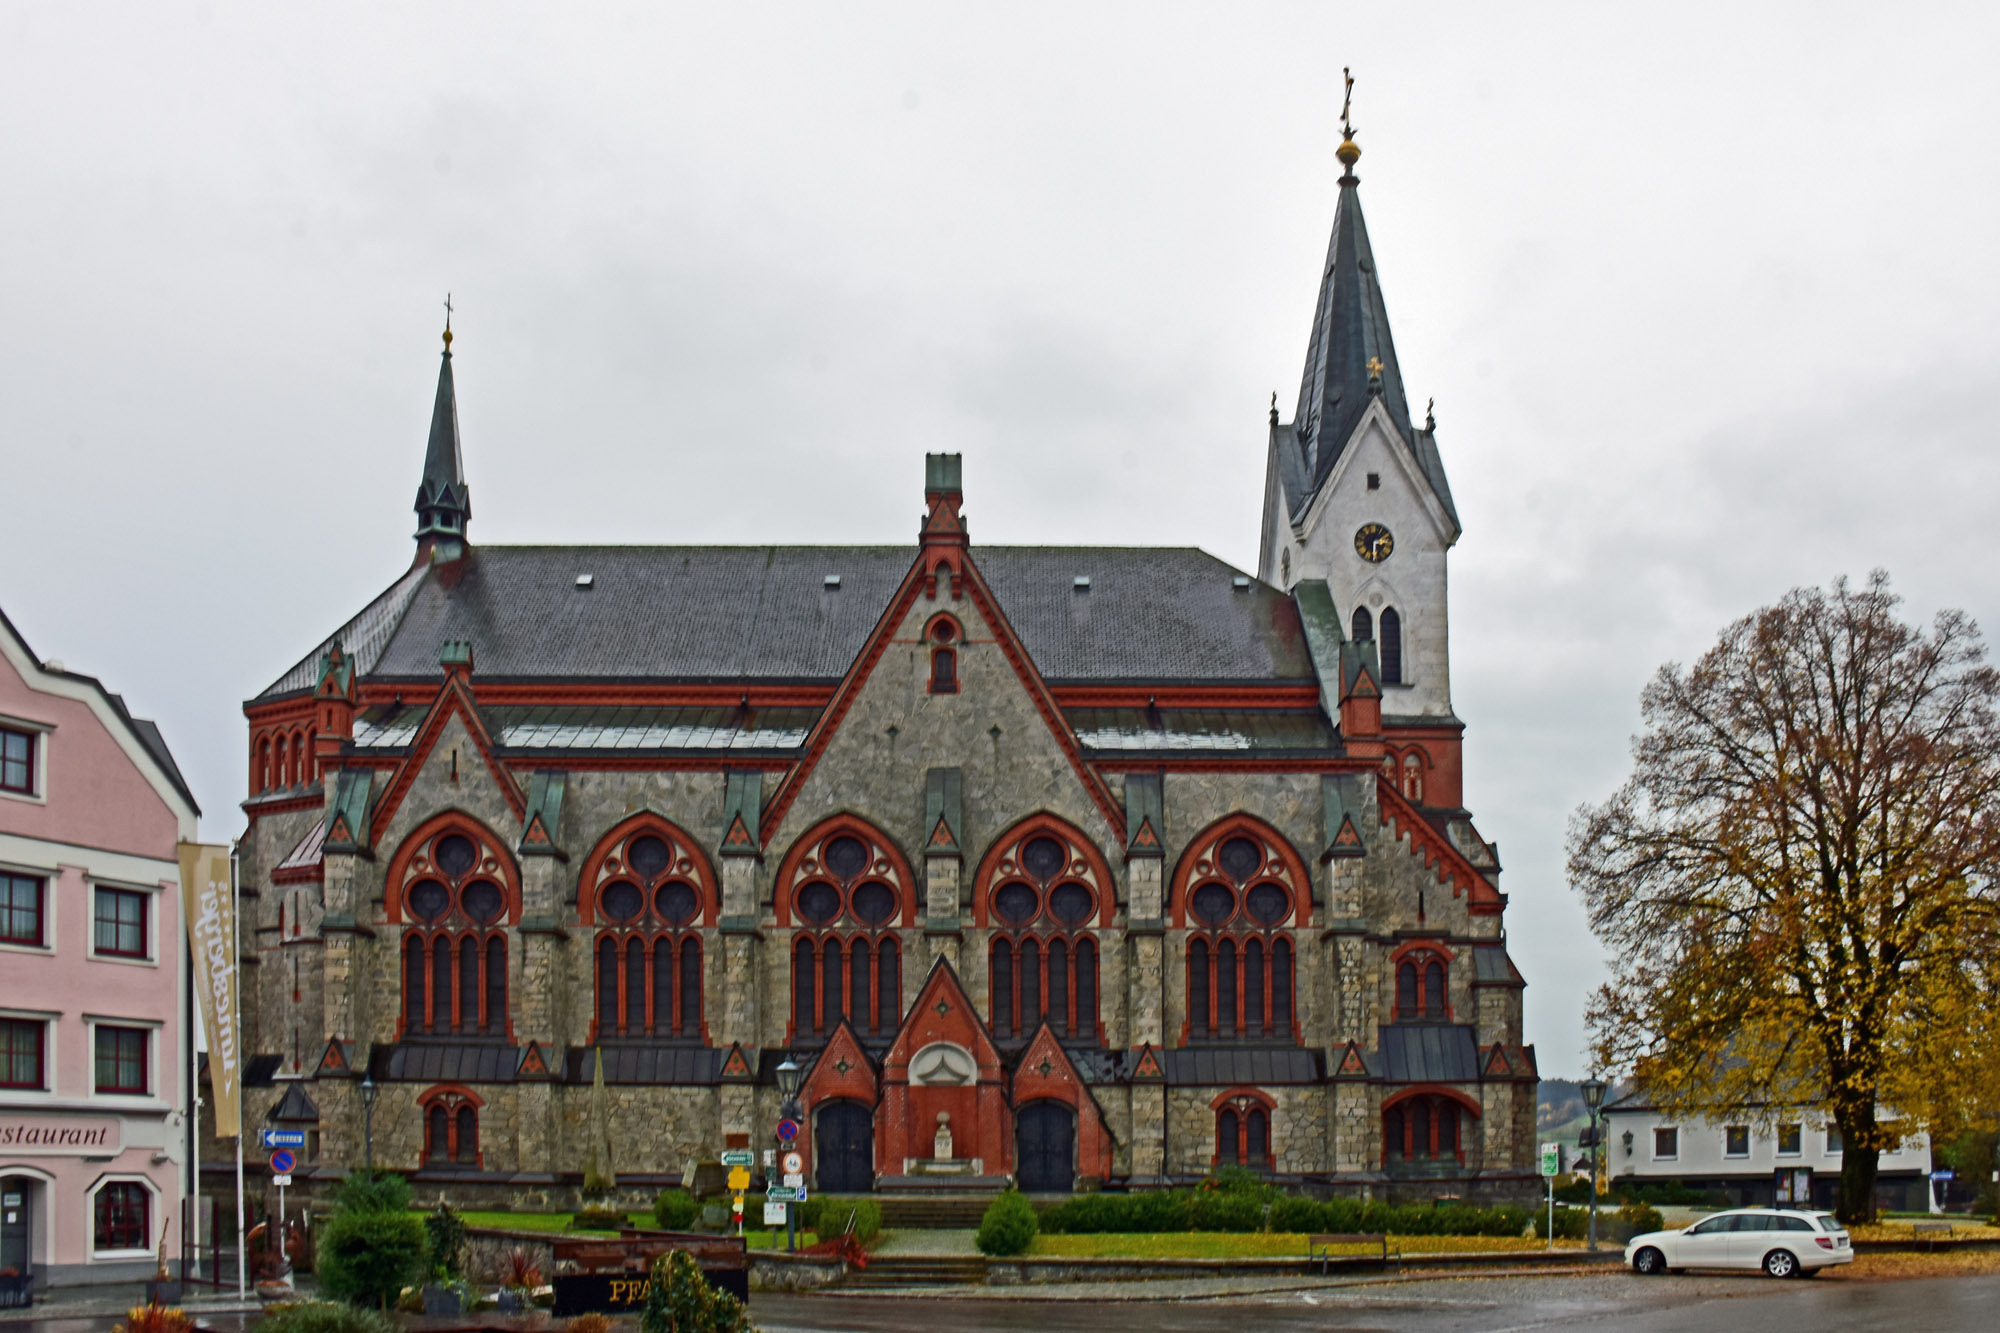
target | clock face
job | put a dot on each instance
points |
(1373, 543)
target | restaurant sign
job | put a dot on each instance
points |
(61, 1136)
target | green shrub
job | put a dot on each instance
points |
(323, 1317)
(444, 1242)
(1642, 1217)
(680, 1300)
(367, 1257)
(372, 1192)
(1009, 1225)
(675, 1210)
(829, 1216)
(1571, 1223)
(597, 1219)
(1230, 1206)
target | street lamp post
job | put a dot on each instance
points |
(1593, 1097)
(790, 1076)
(368, 1094)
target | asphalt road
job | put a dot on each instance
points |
(1482, 1305)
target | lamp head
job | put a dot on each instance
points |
(368, 1090)
(1593, 1092)
(789, 1077)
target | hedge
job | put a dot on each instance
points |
(1267, 1209)
(828, 1215)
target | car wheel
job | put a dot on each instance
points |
(1649, 1262)
(1781, 1263)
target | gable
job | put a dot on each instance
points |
(942, 1013)
(1405, 501)
(450, 766)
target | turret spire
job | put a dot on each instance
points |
(444, 501)
(1351, 356)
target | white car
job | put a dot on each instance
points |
(1780, 1241)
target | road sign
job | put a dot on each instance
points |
(785, 1194)
(739, 1179)
(282, 1182)
(1943, 1175)
(794, 1163)
(1551, 1159)
(282, 1162)
(282, 1138)
(795, 1179)
(788, 1129)
(774, 1214)
(739, 1157)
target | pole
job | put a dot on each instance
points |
(235, 989)
(1550, 1181)
(191, 1217)
(242, 1259)
(1594, 1136)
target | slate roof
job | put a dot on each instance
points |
(1224, 1065)
(646, 1064)
(1203, 731)
(1428, 1053)
(580, 727)
(444, 1062)
(1492, 966)
(767, 613)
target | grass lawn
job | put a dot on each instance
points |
(1904, 1229)
(1259, 1245)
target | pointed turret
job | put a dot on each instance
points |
(444, 501)
(1351, 357)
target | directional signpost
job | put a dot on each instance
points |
(282, 1138)
(1551, 1162)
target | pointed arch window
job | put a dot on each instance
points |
(1390, 645)
(945, 637)
(1240, 891)
(1363, 625)
(1423, 984)
(451, 1127)
(849, 888)
(1043, 886)
(650, 892)
(455, 892)
(1243, 1130)
(1424, 1127)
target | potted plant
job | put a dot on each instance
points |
(163, 1288)
(17, 1289)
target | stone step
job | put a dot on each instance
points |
(920, 1270)
(932, 1212)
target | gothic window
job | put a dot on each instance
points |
(455, 894)
(1042, 887)
(1363, 625)
(1413, 777)
(649, 891)
(1239, 891)
(944, 636)
(451, 1127)
(850, 890)
(1390, 645)
(1422, 1128)
(1243, 1130)
(1422, 985)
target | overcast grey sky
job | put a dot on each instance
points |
(1706, 295)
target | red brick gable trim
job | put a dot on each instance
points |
(1197, 861)
(992, 866)
(1438, 853)
(957, 1021)
(454, 698)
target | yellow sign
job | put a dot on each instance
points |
(739, 1179)
(209, 904)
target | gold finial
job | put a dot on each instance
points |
(447, 321)
(1375, 365)
(1349, 151)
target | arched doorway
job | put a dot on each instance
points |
(844, 1146)
(1046, 1162)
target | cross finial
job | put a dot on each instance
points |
(1347, 104)
(447, 321)
(1374, 365)
(1430, 415)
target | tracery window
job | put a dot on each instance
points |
(456, 895)
(944, 637)
(1239, 890)
(1390, 646)
(1243, 1130)
(1423, 985)
(451, 1127)
(650, 891)
(1043, 888)
(1422, 1128)
(849, 890)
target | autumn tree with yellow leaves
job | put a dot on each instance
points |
(1797, 883)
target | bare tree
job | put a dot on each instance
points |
(1796, 883)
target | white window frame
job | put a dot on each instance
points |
(153, 1214)
(1778, 1140)
(151, 892)
(1736, 1156)
(1832, 1133)
(1673, 1156)
(50, 879)
(153, 1028)
(42, 732)
(26, 1096)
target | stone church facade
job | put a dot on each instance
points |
(1053, 864)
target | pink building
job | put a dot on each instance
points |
(93, 1055)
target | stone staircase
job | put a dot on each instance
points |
(920, 1270)
(960, 1210)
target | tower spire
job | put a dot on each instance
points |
(444, 501)
(1351, 356)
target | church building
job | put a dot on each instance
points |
(1068, 866)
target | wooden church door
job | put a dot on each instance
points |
(1046, 1163)
(845, 1148)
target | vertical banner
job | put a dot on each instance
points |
(209, 902)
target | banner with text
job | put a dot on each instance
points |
(209, 900)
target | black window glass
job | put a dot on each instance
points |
(622, 901)
(482, 901)
(1043, 857)
(121, 923)
(1792, 1224)
(429, 900)
(1363, 624)
(17, 761)
(1268, 904)
(819, 902)
(676, 902)
(1240, 858)
(1070, 904)
(1714, 1226)
(1213, 904)
(846, 857)
(20, 909)
(1015, 904)
(456, 854)
(874, 903)
(649, 856)
(1737, 1140)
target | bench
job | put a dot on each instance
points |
(1930, 1228)
(1320, 1247)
